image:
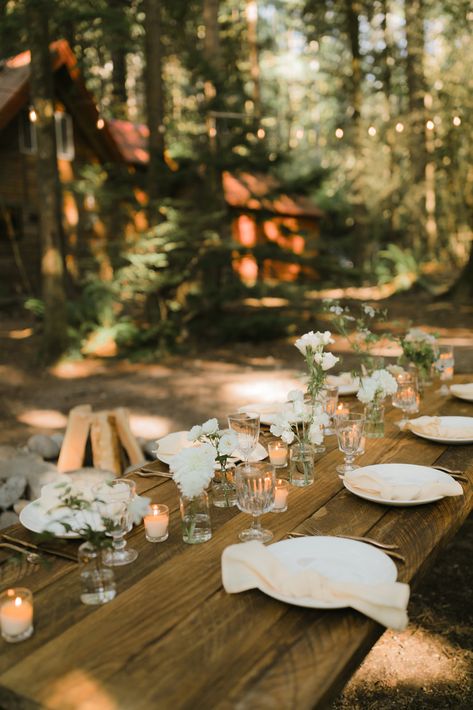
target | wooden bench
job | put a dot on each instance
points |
(173, 638)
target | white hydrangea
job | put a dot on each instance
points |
(417, 335)
(313, 340)
(377, 386)
(228, 442)
(368, 310)
(193, 469)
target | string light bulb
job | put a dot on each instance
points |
(32, 115)
(430, 125)
(261, 133)
(456, 120)
(372, 131)
(339, 133)
(100, 123)
(399, 127)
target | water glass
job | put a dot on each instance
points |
(246, 426)
(349, 429)
(114, 499)
(405, 399)
(255, 485)
(301, 465)
(329, 400)
(444, 365)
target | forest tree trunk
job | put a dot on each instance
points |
(50, 203)
(252, 31)
(118, 50)
(154, 103)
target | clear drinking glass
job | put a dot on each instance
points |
(444, 365)
(405, 399)
(349, 429)
(329, 399)
(255, 484)
(114, 498)
(246, 426)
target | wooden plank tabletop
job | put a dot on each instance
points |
(172, 638)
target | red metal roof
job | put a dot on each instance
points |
(245, 190)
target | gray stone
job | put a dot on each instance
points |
(43, 445)
(8, 518)
(11, 489)
(149, 448)
(58, 437)
(29, 466)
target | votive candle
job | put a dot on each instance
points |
(16, 614)
(342, 409)
(156, 523)
(278, 451)
(281, 493)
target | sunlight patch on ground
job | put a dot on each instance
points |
(260, 389)
(76, 369)
(43, 418)
(266, 301)
(150, 427)
(20, 334)
(416, 658)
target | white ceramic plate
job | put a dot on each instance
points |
(34, 518)
(463, 391)
(453, 422)
(404, 474)
(171, 444)
(267, 410)
(344, 387)
(345, 561)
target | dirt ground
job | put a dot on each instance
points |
(430, 665)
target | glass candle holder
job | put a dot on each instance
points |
(156, 522)
(281, 492)
(16, 614)
(278, 451)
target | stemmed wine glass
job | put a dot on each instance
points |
(349, 428)
(114, 498)
(405, 399)
(329, 400)
(255, 486)
(246, 427)
(444, 365)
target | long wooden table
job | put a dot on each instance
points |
(172, 638)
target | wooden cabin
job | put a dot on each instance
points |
(262, 215)
(82, 138)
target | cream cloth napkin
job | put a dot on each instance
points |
(392, 490)
(435, 427)
(466, 390)
(250, 565)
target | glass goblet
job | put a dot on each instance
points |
(114, 498)
(349, 428)
(329, 400)
(405, 399)
(255, 486)
(444, 365)
(246, 426)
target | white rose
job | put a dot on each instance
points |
(210, 427)
(328, 361)
(228, 443)
(287, 436)
(194, 433)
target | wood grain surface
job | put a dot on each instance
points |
(173, 638)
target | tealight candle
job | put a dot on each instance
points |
(156, 523)
(342, 409)
(281, 492)
(16, 614)
(277, 451)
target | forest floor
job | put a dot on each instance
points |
(430, 665)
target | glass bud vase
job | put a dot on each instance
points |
(195, 519)
(301, 465)
(223, 488)
(97, 581)
(374, 420)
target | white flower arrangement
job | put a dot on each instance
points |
(193, 469)
(299, 421)
(311, 345)
(224, 441)
(420, 348)
(417, 335)
(376, 387)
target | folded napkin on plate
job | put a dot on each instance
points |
(250, 565)
(391, 490)
(435, 427)
(466, 389)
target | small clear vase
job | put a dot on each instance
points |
(223, 489)
(301, 465)
(374, 420)
(195, 519)
(97, 581)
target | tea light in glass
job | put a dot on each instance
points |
(278, 451)
(281, 493)
(156, 523)
(342, 408)
(16, 614)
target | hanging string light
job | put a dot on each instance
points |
(339, 133)
(399, 127)
(456, 120)
(372, 131)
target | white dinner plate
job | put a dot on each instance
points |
(33, 517)
(171, 444)
(345, 561)
(345, 385)
(463, 391)
(451, 422)
(267, 411)
(403, 474)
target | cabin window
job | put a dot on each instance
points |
(64, 136)
(28, 142)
